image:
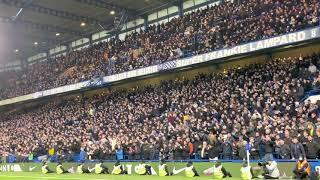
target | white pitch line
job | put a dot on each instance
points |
(48, 177)
(41, 177)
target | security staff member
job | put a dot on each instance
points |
(303, 169)
(118, 169)
(219, 172)
(99, 168)
(246, 172)
(60, 169)
(81, 169)
(144, 169)
(163, 169)
(272, 171)
(45, 168)
(190, 171)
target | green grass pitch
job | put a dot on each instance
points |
(39, 176)
(234, 168)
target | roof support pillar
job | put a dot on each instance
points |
(180, 8)
(90, 39)
(145, 22)
(24, 63)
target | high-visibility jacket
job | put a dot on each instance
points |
(30, 157)
(142, 169)
(51, 151)
(79, 169)
(44, 169)
(116, 169)
(189, 171)
(162, 170)
(98, 169)
(245, 173)
(217, 172)
(300, 165)
(59, 169)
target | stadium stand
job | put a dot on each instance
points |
(201, 31)
(213, 115)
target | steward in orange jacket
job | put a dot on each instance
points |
(303, 169)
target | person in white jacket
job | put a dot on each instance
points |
(272, 171)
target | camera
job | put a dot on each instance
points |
(262, 164)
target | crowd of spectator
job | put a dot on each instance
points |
(213, 115)
(201, 31)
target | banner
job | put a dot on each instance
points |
(94, 82)
(277, 41)
(167, 66)
(16, 99)
(273, 42)
(131, 74)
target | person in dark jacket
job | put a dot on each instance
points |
(204, 150)
(146, 149)
(297, 149)
(284, 150)
(312, 148)
(227, 149)
(242, 150)
(178, 149)
(269, 147)
(317, 137)
(213, 152)
(185, 151)
(254, 150)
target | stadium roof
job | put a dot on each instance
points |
(32, 26)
